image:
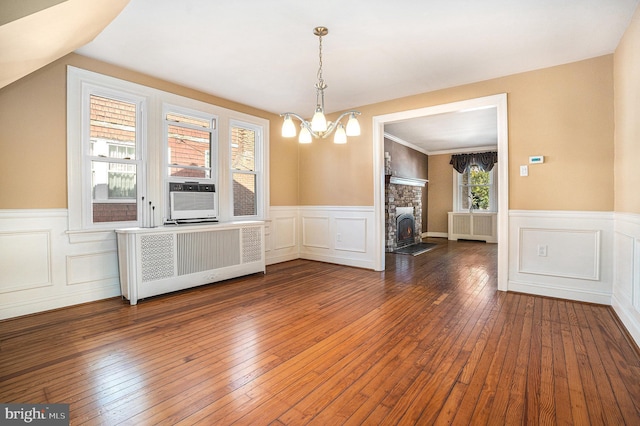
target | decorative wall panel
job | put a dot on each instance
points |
(25, 260)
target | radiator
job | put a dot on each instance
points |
(473, 226)
(153, 261)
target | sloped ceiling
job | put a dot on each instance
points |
(34, 33)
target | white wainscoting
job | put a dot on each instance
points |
(281, 235)
(626, 283)
(44, 267)
(590, 256)
(562, 254)
(341, 235)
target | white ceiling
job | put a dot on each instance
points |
(264, 54)
(450, 132)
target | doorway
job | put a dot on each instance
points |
(500, 103)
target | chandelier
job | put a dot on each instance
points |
(319, 127)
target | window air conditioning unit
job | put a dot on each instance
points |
(192, 202)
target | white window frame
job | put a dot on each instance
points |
(81, 86)
(493, 193)
(213, 148)
(258, 172)
(152, 173)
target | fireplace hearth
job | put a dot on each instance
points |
(405, 226)
(403, 215)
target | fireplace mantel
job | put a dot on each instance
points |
(398, 180)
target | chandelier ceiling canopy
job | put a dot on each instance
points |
(319, 127)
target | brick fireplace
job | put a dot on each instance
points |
(403, 197)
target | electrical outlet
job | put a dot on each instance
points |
(542, 250)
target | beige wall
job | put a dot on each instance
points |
(627, 119)
(33, 138)
(564, 113)
(440, 192)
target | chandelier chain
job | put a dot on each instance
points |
(321, 84)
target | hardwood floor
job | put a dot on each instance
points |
(429, 341)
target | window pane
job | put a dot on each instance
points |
(113, 189)
(189, 173)
(113, 135)
(189, 147)
(244, 194)
(207, 124)
(243, 148)
(478, 176)
(113, 128)
(475, 189)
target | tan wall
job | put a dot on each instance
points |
(33, 139)
(440, 192)
(627, 119)
(564, 113)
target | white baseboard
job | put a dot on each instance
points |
(548, 290)
(435, 234)
(339, 260)
(272, 260)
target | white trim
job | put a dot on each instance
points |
(259, 163)
(464, 150)
(563, 214)
(80, 85)
(435, 235)
(626, 272)
(405, 143)
(337, 208)
(442, 151)
(153, 167)
(397, 180)
(32, 213)
(602, 298)
(500, 102)
(595, 267)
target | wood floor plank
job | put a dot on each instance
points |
(428, 341)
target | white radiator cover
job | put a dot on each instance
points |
(154, 261)
(473, 226)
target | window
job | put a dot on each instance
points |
(244, 173)
(189, 141)
(126, 142)
(475, 190)
(112, 156)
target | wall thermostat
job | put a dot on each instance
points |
(538, 159)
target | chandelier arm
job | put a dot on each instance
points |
(333, 124)
(304, 123)
(292, 114)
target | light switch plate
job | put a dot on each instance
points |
(524, 170)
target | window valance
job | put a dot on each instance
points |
(484, 160)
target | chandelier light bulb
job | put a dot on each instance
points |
(305, 135)
(319, 122)
(341, 136)
(353, 127)
(288, 127)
